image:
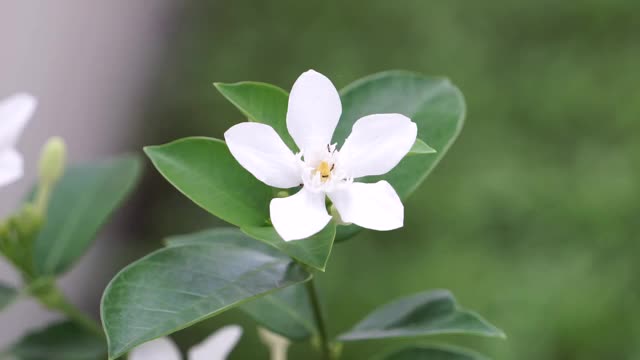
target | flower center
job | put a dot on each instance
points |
(324, 169)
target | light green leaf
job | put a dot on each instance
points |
(423, 314)
(420, 148)
(433, 352)
(313, 251)
(286, 312)
(80, 204)
(433, 103)
(260, 102)
(178, 286)
(7, 296)
(63, 341)
(204, 170)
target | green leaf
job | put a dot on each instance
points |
(419, 148)
(423, 314)
(286, 312)
(260, 102)
(204, 170)
(63, 341)
(433, 353)
(7, 296)
(433, 103)
(80, 204)
(178, 286)
(313, 251)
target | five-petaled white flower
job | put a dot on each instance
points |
(215, 347)
(15, 111)
(376, 145)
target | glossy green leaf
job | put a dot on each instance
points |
(63, 341)
(7, 296)
(286, 311)
(313, 251)
(178, 286)
(204, 170)
(80, 204)
(423, 314)
(433, 353)
(433, 103)
(260, 102)
(419, 148)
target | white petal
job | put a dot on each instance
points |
(372, 206)
(15, 111)
(377, 144)
(217, 346)
(314, 111)
(158, 349)
(300, 215)
(11, 167)
(259, 149)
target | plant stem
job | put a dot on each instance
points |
(77, 316)
(48, 293)
(317, 312)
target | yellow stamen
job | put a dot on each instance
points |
(325, 170)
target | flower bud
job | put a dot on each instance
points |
(52, 160)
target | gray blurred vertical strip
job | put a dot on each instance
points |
(89, 63)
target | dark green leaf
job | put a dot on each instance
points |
(286, 312)
(221, 235)
(422, 314)
(178, 286)
(433, 103)
(313, 251)
(80, 204)
(433, 353)
(7, 296)
(64, 341)
(204, 170)
(260, 102)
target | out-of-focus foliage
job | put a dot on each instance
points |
(531, 217)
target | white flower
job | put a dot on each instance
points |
(15, 111)
(216, 347)
(376, 145)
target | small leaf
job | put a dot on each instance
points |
(178, 286)
(433, 353)
(63, 341)
(286, 312)
(423, 314)
(313, 251)
(204, 170)
(80, 204)
(420, 147)
(433, 103)
(7, 296)
(260, 102)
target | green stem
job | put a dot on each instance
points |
(48, 293)
(317, 313)
(77, 316)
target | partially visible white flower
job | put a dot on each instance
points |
(376, 145)
(15, 112)
(216, 347)
(278, 345)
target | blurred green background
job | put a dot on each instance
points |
(531, 217)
